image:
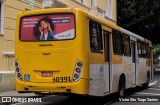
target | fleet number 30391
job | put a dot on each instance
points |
(61, 79)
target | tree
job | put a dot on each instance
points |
(156, 51)
(141, 17)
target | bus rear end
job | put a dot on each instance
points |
(48, 54)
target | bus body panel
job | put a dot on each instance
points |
(58, 57)
(98, 77)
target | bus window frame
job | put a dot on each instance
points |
(93, 21)
(144, 50)
(139, 55)
(19, 34)
(129, 46)
(121, 37)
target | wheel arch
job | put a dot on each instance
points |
(124, 77)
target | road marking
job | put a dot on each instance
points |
(154, 82)
(151, 84)
(153, 88)
(149, 93)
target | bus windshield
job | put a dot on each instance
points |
(47, 27)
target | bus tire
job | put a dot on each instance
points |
(121, 87)
(38, 93)
(146, 85)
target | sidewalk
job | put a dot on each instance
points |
(7, 81)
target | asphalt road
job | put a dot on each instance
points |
(137, 95)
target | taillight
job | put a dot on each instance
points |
(18, 71)
(77, 71)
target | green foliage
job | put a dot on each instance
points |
(141, 17)
(156, 48)
(134, 11)
(156, 51)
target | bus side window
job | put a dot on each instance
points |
(117, 42)
(95, 36)
(149, 52)
(139, 49)
(143, 50)
(146, 50)
(126, 45)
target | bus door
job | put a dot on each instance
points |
(107, 61)
(133, 51)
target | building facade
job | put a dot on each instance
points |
(105, 9)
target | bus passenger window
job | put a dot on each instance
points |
(126, 45)
(143, 50)
(95, 36)
(139, 49)
(148, 51)
(117, 42)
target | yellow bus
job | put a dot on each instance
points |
(70, 51)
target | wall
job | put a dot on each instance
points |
(7, 42)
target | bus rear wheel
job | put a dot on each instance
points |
(121, 87)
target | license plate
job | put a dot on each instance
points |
(46, 74)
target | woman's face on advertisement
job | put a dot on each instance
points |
(43, 24)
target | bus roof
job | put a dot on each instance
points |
(109, 23)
